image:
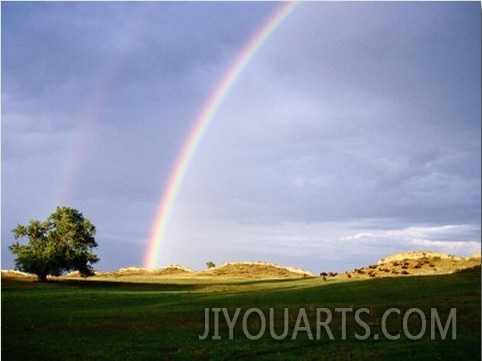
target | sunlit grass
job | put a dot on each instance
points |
(161, 319)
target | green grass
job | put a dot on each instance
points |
(162, 320)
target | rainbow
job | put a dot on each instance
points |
(94, 107)
(184, 158)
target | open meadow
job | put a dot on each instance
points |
(156, 318)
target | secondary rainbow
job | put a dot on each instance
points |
(181, 165)
(94, 106)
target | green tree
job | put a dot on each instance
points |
(62, 243)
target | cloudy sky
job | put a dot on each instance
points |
(353, 133)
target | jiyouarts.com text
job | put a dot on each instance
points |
(325, 323)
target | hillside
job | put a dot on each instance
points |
(415, 263)
(254, 270)
(396, 265)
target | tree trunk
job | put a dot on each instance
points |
(42, 277)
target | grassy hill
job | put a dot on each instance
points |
(160, 315)
(254, 270)
(416, 263)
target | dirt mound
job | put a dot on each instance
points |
(257, 270)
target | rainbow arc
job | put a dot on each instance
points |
(200, 125)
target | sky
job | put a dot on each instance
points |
(352, 133)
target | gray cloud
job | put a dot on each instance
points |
(352, 119)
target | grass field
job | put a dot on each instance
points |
(145, 319)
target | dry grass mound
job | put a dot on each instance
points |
(174, 270)
(10, 273)
(396, 265)
(245, 270)
(417, 255)
(169, 270)
(416, 263)
(254, 270)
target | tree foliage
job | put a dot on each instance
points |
(62, 243)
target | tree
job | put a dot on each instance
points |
(210, 264)
(62, 243)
